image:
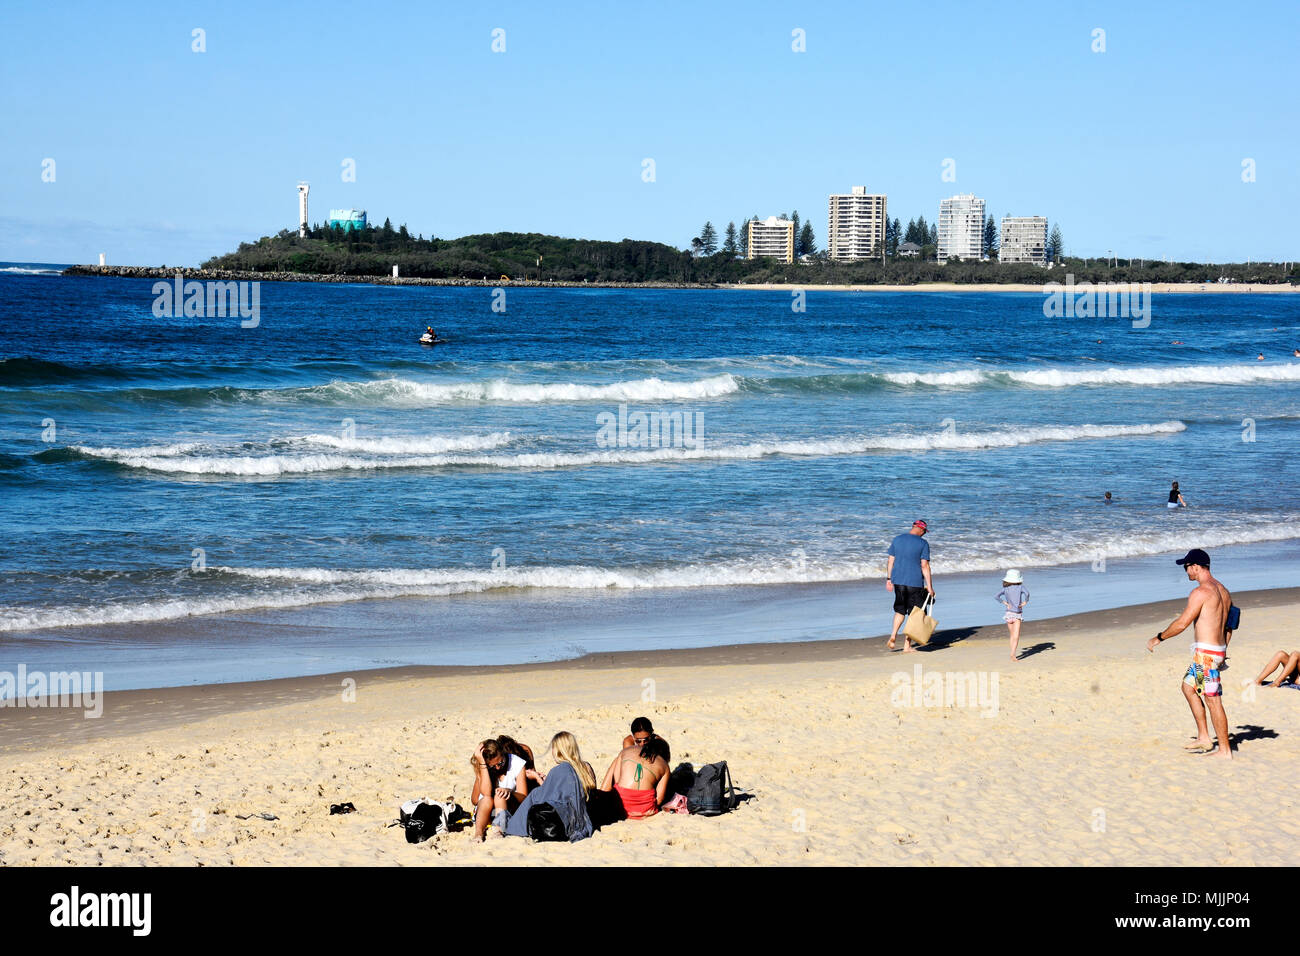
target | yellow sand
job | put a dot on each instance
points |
(1163, 288)
(1082, 763)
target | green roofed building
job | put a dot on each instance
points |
(348, 219)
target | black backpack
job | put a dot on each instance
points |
(423, 822)
(545, 825)
(712, 793)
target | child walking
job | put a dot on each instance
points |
(1013, 596)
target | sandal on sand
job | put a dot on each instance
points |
(342, 808)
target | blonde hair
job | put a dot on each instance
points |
(564, 748)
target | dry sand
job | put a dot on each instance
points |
(1078, 759)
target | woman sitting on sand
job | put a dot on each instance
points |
(642, 730)
(640, 778)
(567, 788)
(501, 775)
(1290, 664)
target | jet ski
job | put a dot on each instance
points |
(427, 339)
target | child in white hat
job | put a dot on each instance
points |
(1013, 596)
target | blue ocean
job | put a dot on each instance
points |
(203, 497)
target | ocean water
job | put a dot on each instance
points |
(157, 471)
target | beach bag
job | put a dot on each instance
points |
(424, 818)
(920, 625)
(712, 793)
(1234, 619)
(545, 825)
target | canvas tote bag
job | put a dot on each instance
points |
(919, 625)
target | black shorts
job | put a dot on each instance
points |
(906, 598)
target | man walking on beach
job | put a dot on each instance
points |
(908, 577)
(1208, 607)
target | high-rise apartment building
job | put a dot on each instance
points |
(1024, 239)
(857, 225)
(772, 238)
(961, 228)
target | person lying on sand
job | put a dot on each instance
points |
(640, 778)
(1289, 661)
(501, 777)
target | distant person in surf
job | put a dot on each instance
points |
(1259, 357)
(907, 577)
(1175, 498)
(1109, 499)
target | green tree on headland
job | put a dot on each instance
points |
(708, 239)
(1055, 249)
(806, 245)
(729, 244)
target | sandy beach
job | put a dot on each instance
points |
(1071, 756)
(1161, 288)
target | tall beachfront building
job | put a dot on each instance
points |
(1024, 239)
(772, 238)
(857, 225)
(961, 228)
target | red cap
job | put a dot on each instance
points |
(918, 523)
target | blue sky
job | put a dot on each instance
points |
(167, 156)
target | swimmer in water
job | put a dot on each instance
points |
(1259, 357)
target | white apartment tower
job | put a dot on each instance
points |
(961, 228)
(771, 237)
(857, 225)
(1024, 239)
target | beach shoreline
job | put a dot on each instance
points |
(228, 275)
(128, 712)
(1071, 756)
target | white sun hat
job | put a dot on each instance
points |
(1013, 577)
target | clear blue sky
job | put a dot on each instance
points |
(164, 155)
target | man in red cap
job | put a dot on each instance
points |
(907, 576)
(1208, 607)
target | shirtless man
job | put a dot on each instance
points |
(1208, 607)
(640, 774)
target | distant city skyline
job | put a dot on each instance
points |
(168, 135)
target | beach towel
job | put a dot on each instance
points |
(563, 791)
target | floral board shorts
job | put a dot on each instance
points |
(1203, 674)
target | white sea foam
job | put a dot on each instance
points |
(284, 587)
(430, 445)
(408, 393)
(1066, 378)
(955, 440)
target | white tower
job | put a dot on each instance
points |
(303, 189)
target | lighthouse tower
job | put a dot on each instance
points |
(303, 189)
